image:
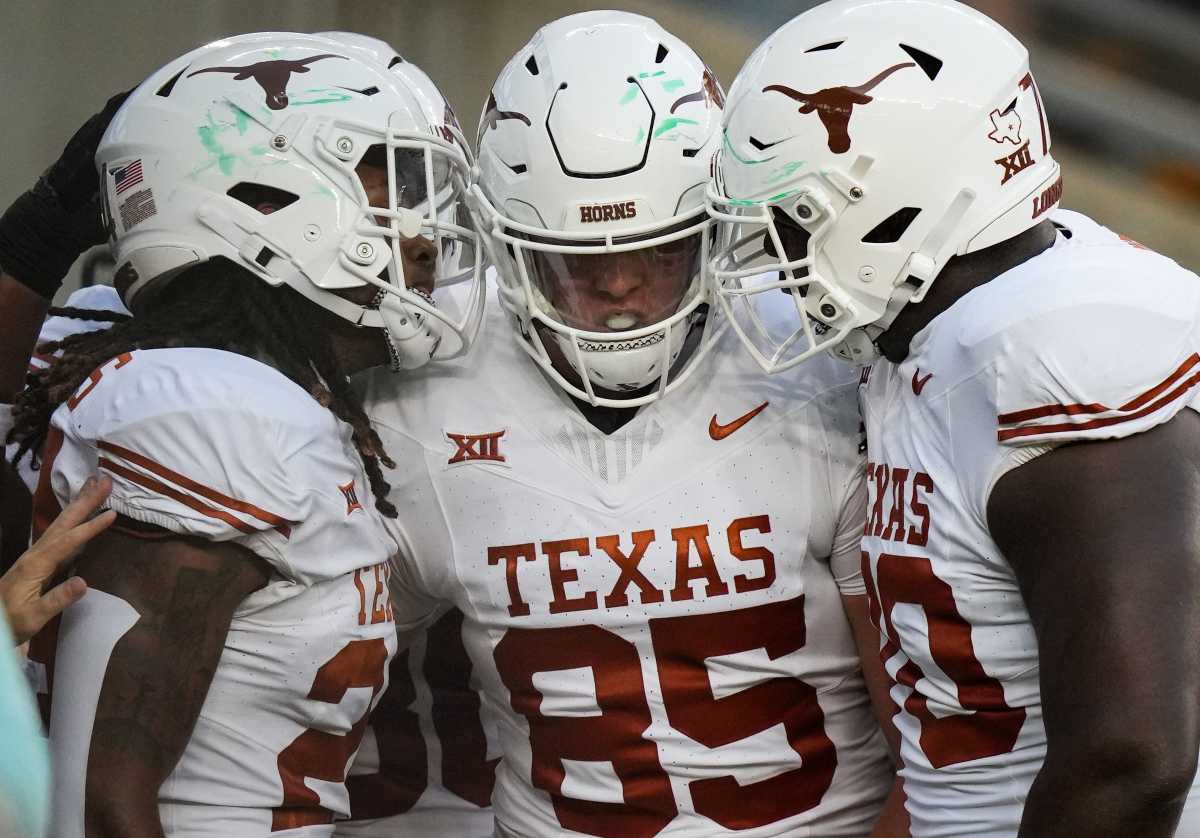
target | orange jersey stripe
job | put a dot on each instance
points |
(175, 494)
(1033, 430)
(276, 521)
(1077, 409)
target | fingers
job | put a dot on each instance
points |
(67, 535)
(71, 542)
(93, 493)
(29, 620)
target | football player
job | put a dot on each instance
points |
(653, 549)
(423, 770)
(281, 210)
(1032, 549)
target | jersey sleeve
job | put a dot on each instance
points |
(423, 565)
(219, 448)
(846, 560)
(846, 485)
(1098, 369)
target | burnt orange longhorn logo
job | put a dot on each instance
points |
(272, 76)
(834, 105)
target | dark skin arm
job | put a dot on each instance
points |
(185, 591)
(1104, 539)
(16, 511)
(22, 311)
(893, 819)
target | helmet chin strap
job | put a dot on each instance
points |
(411, 337)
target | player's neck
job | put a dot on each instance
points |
(962, 275)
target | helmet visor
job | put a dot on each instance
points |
(617, 292)
(414, 182)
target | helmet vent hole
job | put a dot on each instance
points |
(259, 196)
(932, 66)
(823, 47)
(760, 145)
(518, 169)
(1012, 106)
(369, 91)
(395, 60)
(264, 256)
(661, 55)
(531, 66)
(166, 89)
(690, 152)
(893, 227)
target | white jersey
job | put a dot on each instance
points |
(103, 298)
(426, 767)
(653, 613)
(218, 446)
(1053, 351)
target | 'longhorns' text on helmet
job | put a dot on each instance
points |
(594, 152)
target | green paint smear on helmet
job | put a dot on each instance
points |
(672, 122)
(242, 119)
(652, 75)
(740, 202)
(733, 152)
(641, 136)
(629, 96)
(220, 157)
(787, 170)
(263, 151)
(670, 85)
(324, 96)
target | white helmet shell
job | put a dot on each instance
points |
(897, 134)
(597, 139)
(289, 116)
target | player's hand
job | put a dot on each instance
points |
(22, 588)
(46, 229)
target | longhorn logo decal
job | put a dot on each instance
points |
(834, 105)
(710, 93)
(272, 76)
(492, 115)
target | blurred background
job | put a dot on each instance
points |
(1120, 78)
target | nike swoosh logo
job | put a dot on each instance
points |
(718, 431)
(918, 384)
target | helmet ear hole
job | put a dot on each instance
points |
(892, 228)
(260, 195)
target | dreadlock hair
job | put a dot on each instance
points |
(213, 305)
(96, 315)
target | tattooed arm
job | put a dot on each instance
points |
(184, 592)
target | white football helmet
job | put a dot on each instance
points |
(285, 119)
(866, 143)
(594, 153)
